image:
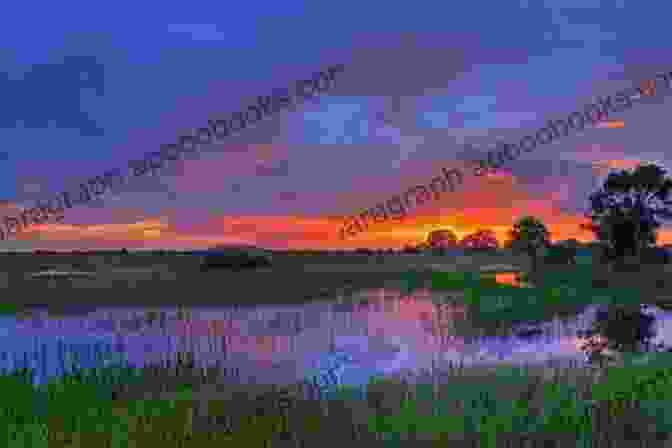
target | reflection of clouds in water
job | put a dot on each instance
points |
(346, 366)
(386, 336)
(367, 349)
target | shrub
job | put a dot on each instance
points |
(655, 255)
(560, 255)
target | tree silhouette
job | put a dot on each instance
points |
(625, 212)
(440, 240)
(480, 239)
(363, 251)
(528, 235)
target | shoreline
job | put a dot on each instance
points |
(166, 280)
(268, 287)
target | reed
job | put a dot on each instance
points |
(489, 407)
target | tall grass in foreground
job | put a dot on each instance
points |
(562, 407)
(461, 406)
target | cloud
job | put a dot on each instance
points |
(281, 170)
(58, 107)
(198, 31)
(287, 196)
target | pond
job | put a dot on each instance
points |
(380, 331)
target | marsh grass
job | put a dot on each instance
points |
(569, 406)
(563, 291)
(463, 406)
(80, 410)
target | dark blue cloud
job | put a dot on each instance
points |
(49, 95)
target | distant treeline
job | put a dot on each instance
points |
(358, 251)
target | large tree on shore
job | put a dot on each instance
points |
(626, 212)
(529, 235)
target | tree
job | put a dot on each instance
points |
(528, 235)
(480, 239)
(363, 251)
(626, 211)
(441, 239)
(438, 241)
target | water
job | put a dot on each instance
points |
(375, 332)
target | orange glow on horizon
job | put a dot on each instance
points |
(494, 203)
(313, 233)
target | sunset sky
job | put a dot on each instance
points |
(97, 84)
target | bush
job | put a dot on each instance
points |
(236, 259)
(560, 255)
(655, 255)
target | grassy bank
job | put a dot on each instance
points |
(559, 407)
(492, 407)
(171, 280)
(152, 280)
(561, 291)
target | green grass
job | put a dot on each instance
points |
(8, 308)
(484, 414)
(72, 405)
(558, 407)
(506, 401)
(489, 300)
(456, 280)
(584, 259)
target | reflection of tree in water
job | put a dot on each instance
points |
(624, 328)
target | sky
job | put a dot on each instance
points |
(90, 91)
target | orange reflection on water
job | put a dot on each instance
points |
(507, 278)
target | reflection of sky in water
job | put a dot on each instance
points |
(382, 332)
(662, 324)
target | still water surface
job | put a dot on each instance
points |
(382, 331)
